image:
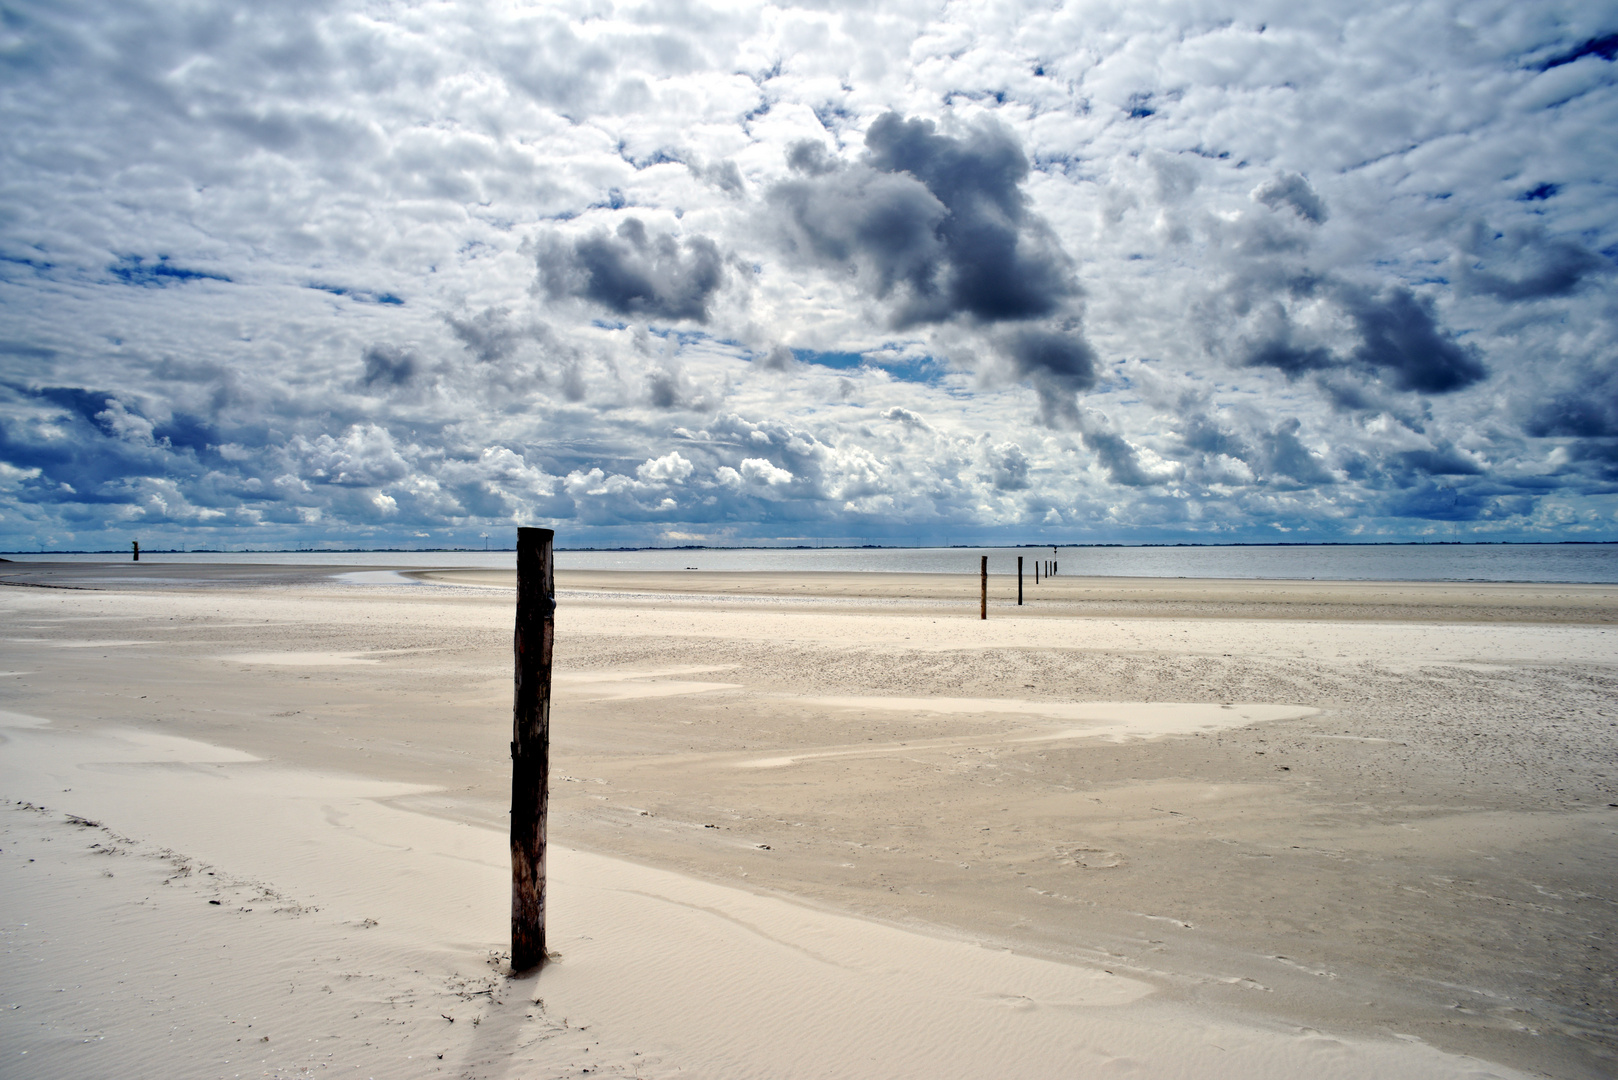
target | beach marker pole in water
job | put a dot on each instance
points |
(1019, 581)
(530, 744)
(983, 590)
(136, 544)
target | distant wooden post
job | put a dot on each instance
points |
(530, 745)
(1019, 581)
(983, 590)
(136, 544)
(1036, 571)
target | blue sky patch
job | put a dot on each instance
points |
(157, 274)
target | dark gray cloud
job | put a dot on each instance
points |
(939, 224)
(811, 159)
(1283, 354)
(778, 358)
(1587, 416)
(1118, 458)
(493, 336)
(1294, 191)
(1440, 461)
(1290, 458)
(1121, 459)
(1524, 263)
(1399, 337)
(1059, 364)
(634, 272)
(1589, 411)
(389, 366)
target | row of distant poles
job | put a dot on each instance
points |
(1049, 566)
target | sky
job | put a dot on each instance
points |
(394, 274)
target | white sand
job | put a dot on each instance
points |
(701, 978)
(1021, 872)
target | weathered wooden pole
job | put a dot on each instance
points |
(531, 744)
(1019, 581)
(136, 544)
(1036, 571)
(983, 590)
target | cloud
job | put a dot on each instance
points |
(938, 224)
(1008, 467)
(671, 468)
(490, 335)
(1125, 463)
(386, 365)
(1293, 191)
(763, 471)
(1059, 363)
(778, 358)
(1289, 457)
(296, 277)
(1400, 334)
(634, 272)
(1588, 411)
(723, 175)
(1541, 266)
(364, 456)
(1395, 333)
(902, 415)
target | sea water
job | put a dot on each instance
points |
(1590, 563)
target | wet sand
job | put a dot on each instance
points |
(1356, 829)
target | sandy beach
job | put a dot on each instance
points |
(808, 825)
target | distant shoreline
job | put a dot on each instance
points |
(826, 547)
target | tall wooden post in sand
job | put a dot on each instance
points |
(136, 545)
(531, 744)
(1019, 581)
(983, 590)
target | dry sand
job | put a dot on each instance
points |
(809, 825)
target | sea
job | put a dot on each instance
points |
(1572, 563)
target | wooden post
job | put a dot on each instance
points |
(136, 544)
(983, 590)
(1036, 571)
(1019, 581)
(530, 744)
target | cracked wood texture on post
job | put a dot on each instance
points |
(530, 745)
